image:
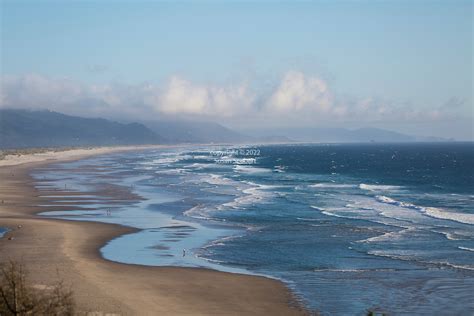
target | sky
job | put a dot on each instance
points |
(401, 65)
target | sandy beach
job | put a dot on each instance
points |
(52, 249)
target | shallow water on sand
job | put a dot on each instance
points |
(2, 231)
(348, 227)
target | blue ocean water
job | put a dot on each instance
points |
(349, 228)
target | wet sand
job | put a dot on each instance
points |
(69, 250)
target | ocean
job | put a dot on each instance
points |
(348, 227)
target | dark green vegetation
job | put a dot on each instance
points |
(18, 296)
(22, 128)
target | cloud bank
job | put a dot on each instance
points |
(296, 97)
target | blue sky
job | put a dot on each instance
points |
(238, 62)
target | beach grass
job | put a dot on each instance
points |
(35, 150)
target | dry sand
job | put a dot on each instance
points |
(69, 154)
(69, 250)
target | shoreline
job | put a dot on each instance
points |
(69, 154)
(70, 250)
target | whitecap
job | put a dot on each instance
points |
(256, 193)
(414, 255)
(215, 179)
(332, 185)
(307, 219)
(388, 200)
(355, 270)
(453, 216)
(279, 168)
(249, 169)
(165, 161)
(221, 241)
(332, 214)
(466, 248)
(434, 212)
(377, 187)
(198, 166)
(251, 196)
(389, 236)
(452, 236)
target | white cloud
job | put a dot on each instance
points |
(181, 96)
(297, 97)
(38, 90)
(298, 92)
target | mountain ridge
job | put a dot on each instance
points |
(20, 128)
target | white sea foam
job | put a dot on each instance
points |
(366, 208)
(210, 260)
(354, 270)
(221, 241)
(458, 266)
(307, 219)
(215, 179)
(452, 236)
(202, 157)
(387, 200)
(198, 211)
(256, 193)
(251, 196)
(279, 168)
(377, 187)
(390, 236)
(165, 161)
(332, 214)
(453, 216)
(198, 166)
(434, 212)
(249, 169)
(340, 212)
(143, 168)
(414, 255)
(171, 171)
(466, 248)
(332, 185)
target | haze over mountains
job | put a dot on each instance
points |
(344, 135)
(174, 131)
(25, 128)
